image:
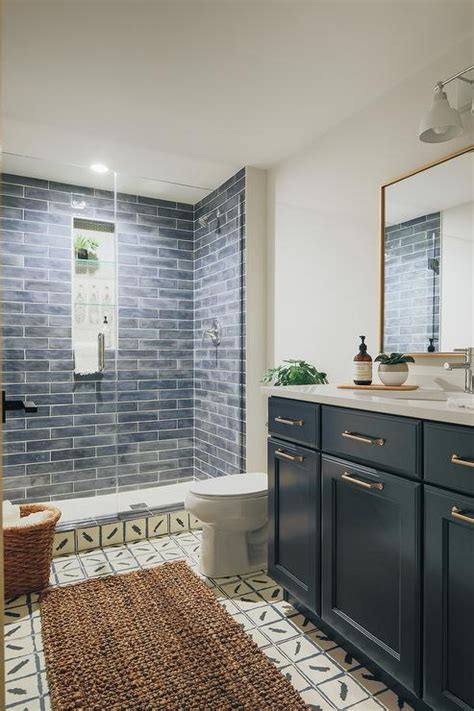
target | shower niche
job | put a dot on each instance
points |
(94, 289)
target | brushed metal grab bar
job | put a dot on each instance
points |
(101, 342)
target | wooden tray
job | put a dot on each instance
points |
(378, 387)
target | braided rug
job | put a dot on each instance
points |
(154, 639)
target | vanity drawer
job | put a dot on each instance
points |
(449, 456)
(294, 420)
(391, 443)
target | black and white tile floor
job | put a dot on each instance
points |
(325, 674)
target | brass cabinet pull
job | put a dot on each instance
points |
(289, 421)
(456, 512)
(465, 462)
(291, 457)
(365, 484)
(360, 438)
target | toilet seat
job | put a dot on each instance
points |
(233, 486)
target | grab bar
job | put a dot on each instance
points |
(101, 341)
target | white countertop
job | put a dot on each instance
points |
(363, 400)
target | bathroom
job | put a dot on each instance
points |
(158, 256)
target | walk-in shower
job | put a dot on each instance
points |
(109, 283)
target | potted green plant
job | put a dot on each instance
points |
(393, 367)
(85, 247)
(296, 372)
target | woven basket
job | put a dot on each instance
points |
(28, 552)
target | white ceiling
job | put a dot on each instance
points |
(189, 91)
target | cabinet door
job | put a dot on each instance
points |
(449, 600)
(371, 564)
(294, 520)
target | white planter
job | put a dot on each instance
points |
(393, 374)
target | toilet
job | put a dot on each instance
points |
(233, 512)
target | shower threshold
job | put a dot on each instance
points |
(123, 505)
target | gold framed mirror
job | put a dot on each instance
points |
(427, 258)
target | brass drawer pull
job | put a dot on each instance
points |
(456, 512)
(291, 457)
(360, 438)
(365, 484)
(288, 421)
(465, 462)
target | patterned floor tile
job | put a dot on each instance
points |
(318, 669)
(343, 658)
(19, 667)
(275, 656)
(343, 692)
(295, 678)
(299, 648)
(279, 630)
(322, 640)
(18, 647)
(258, 581)
(263, 615)
(393, 702)
(315, 701)
(22, 690)
(236, 588)
(249, 601)
(368, 680)
(313, 662)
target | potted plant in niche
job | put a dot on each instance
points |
(296, 372)
(393, 367)
(85, 249)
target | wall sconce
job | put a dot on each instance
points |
(441, 122)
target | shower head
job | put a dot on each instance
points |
(204, 219)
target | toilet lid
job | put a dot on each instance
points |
(242, 485)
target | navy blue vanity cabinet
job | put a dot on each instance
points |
(382, 441)
(449, 600)
(371, 590)
(294, 420)
(294, 513)
(449, 456)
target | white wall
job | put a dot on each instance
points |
(323, 225)
(255, 216)
(457, 277)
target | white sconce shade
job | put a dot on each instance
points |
(441, 122)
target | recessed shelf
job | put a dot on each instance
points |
(97, 262)
(84, 303)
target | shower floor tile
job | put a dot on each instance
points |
(326, 676)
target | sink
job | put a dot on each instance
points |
(421, 394)
(452, 399)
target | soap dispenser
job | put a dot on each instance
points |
(362, 365)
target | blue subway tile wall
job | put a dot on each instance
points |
(68, 449)
(412, 288)
(219, 293)
(140, 413)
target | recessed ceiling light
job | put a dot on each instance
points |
(99, 168)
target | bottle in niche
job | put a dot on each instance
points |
(362, 365)
(80, 306)
(93, 308)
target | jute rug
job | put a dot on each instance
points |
(154, 639)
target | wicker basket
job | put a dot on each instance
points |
(28, 552)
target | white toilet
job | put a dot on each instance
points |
(233, 512)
